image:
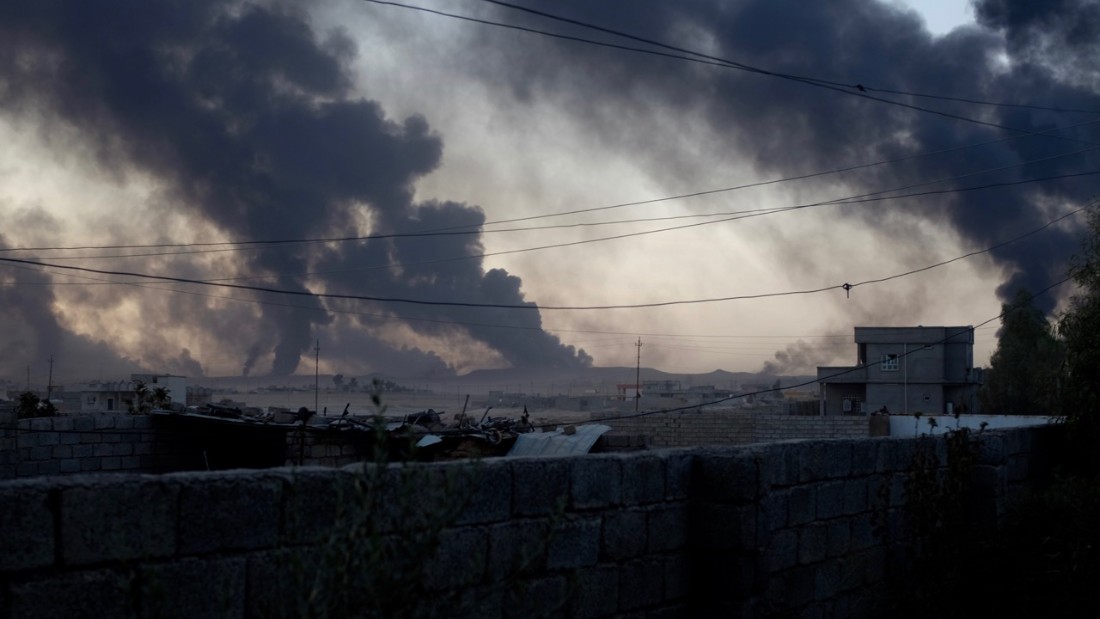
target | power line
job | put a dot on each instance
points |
(860, 86)
(807, 383)
(872, 197)
(264, 244)
(532, 306)
(847, 89)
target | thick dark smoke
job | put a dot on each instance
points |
(1021, 51)
(247, 117)
(32, 332)
(802, 358)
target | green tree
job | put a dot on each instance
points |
(146, 399)
(1080, 330)
(1024, 373)
(30, 405)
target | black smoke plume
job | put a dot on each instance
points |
(1019, 52)
(247, 118)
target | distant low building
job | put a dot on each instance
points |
(116, 396)
(105, 396)
(904, 370)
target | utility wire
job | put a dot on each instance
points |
(738, 216)
(872, 197)
(265, 244)
(861, 87)
(847, 89)
(531, 306)
(857, 368)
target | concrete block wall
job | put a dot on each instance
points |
(710, 427)
(71, 444)
(75, 444)
(785, 528)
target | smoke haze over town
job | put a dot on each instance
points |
(177, 126)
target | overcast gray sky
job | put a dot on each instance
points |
(195, 122)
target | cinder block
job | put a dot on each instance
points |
(85, 594)
(70, 465)
(41, 453)
(781, 551)
(84, 423)
(460, 560)
(26, 469)
(643, 479)
(48, 438)
(62, 424)
(49, 467)
(773, 511)
(838, 458)
(574, 544)
(227, 511)
(862, 532)
(855, 496)
(119, 518)
(112, 463)
(839, 537)
(41, 424)
(595, 481)
(812, 543)
(624, 534)
(278, 582)
(778, 466)
(596, 593)
(830, 499)
(540, 486)
(194, 588)
(104, 422)
(641, 584)
(865, 457)
(535, 597)
(802, 504)
(827, 580)
(83, 451)
(26, 526)
(516, 548)
(61, 452)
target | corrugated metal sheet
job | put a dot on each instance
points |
(558, 443)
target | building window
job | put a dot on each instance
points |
(889, 363)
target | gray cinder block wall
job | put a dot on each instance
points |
(70, 444)
(722, 531)
(737, 427)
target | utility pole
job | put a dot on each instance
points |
(638, 377)
(28, 378)
(49, 383)
(316, 374)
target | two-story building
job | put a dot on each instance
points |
(904, 370)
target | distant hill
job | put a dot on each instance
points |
(546, 381)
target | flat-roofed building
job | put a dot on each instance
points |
(904, 370)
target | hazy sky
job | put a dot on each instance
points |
(135, 123)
